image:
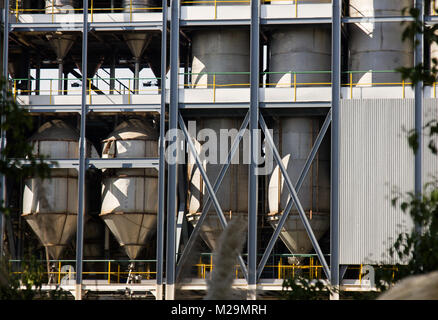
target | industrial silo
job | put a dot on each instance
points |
(220, 50)
(376, 45)
(138, 41)
(301, 48)
(50, 206)
(60, 41)
(304, 48)
(294, 138)
(233, 192)
(130, 196)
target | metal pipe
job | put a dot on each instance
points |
(60, 76)
(38, 77)
(254, 148)
(298, 186)
(172, 171)
(136, 75)
(419, 59)
(82, 160)
(2, 132)
(162, 164)
(336, 98)
(113, 74)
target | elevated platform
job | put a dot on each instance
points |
(191, 15)
(303, 97)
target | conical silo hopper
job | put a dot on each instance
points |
(129, 196)
(61, 42)
(233, 192)
(50, 206)
(138, 41)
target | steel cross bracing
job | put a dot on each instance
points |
(253, 119)
(217, 183)
(296, 190)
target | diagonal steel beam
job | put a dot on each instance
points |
(208, 203)
(294, 196)
(210, 189)
(298, 186)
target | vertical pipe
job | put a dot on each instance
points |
(172, 174)
(38, 76)
(136, 75)
(2, 132)
(419, 57)
(112, 74)
(336, 96)
(253, 124)
(60, 76)
(82, 160)
(65, 87)
(162, 164)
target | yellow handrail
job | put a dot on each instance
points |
(351, 85)
(214, 88)
(295, 87)
(92, 6)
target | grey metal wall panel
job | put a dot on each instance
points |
(374, 159)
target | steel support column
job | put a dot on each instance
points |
(254, 148)
(162, 164)
(418, 91)
(3, 133)
(172, 173)
(336, 97)
(82, 159)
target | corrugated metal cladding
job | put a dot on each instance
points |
(375, 161)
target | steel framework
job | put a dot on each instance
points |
(166, 254)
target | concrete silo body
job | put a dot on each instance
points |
(129, 196)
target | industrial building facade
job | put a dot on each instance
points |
(306, 94)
